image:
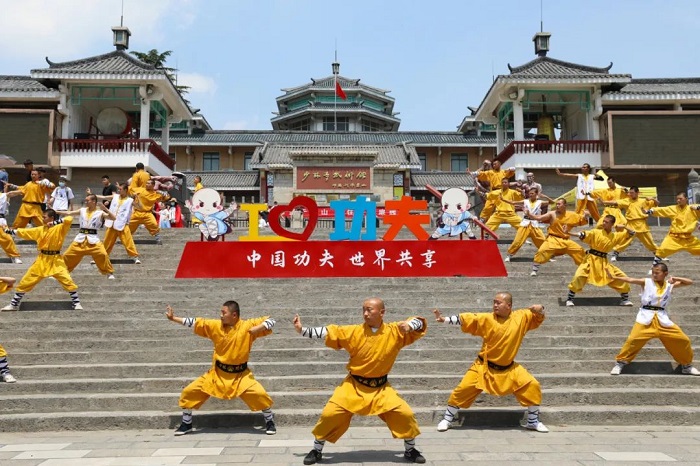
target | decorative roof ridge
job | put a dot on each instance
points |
(16, 77)
(317, 81)
(272, 131)
(530, 64)
(664, 80)
(116, 53)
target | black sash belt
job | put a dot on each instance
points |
(653, 308)
(46, 252)
(374, 382)
(88, 231)
(2, 215)
(34, 203)
(496, 366)
(595, 252)
(232, 368)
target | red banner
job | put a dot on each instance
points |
(345, 178)
(321, 259)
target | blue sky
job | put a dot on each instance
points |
(436, 57)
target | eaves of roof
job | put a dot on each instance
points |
(116, 63)
(329, 108)
(258, 138)
(226, 180)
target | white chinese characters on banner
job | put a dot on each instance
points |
(254, 257)
(380, 258)
(326, 259)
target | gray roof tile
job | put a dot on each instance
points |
(116, 62)
(660, 86)
(254, 138)
(546, 67)
(382, 156)
(329, 83)
(22, 84)
(226, 180)
(441, 180)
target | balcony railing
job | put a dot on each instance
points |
(552, 147)
(112, 146)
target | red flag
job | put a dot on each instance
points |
(339, 91)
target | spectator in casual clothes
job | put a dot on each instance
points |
(29, 166)
(4, 177)
(62, 196)
(108, 189)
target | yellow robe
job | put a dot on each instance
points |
(138, 181)
(372, 354)
(637, 220)
(47, 239)
(494, 178)
(558, 240)
(143, 215)
(505, 212)
(593, 269)
(610, 195)
(502, 340)
(231, 346)
(33, 195)
(680, 236)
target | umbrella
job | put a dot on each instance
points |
(6, 161)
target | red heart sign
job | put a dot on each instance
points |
(299, 201)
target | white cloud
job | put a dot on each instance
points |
(73, 29)
(199, 83)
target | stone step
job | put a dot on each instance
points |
(434, 398)
(542, 368)
(317, 354)
(289, 343)
(281, 383)
(620, 415)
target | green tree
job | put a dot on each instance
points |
(158, 59)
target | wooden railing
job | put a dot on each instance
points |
(560, 147)
(116, 145)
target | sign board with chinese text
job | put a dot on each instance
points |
(322, 259)
(330, 178)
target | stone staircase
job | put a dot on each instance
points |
(121, 364)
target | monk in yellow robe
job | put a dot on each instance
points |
(49, 263)
(143, 204)
(505, 211)
(636, 218)
(33, 197)
(596, 269)
(229, 376)
(6, 283)
(138, 180)
(610, 194)
(495, 177)
(495, 370)
(680, 236)
(558, 240)
(373, 348)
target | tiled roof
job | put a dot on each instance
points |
(669, 88)
(254, 138)
(328, 108)
(226, 180)
(551, 67)
(441, 180)
(117, 62)
(380, 156)
(22, 84)
(329, 83)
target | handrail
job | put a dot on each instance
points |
(117, 145)
(557, 147)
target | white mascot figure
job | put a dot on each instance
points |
(206, 205)
(456, 217)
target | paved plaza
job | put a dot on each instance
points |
(586, 445)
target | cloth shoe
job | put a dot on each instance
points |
(443, 425)
(184, 429)
(626, 302)
(137, 260)
(8, 378)
(414, 455)
(313, 457)
(270, 428)
(507, 259)
(613, 256)
(77, 307)
(16, 260)
(539, 427)
(617, 368)
(687, 369)
(569, 303)
(10, 307)
(110, 276)
(533, 273)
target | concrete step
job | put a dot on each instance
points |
(319, 382)
(316, 354)
(309, 399)
(474, 417)
(560, 370)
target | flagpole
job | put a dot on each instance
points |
(335, 67)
